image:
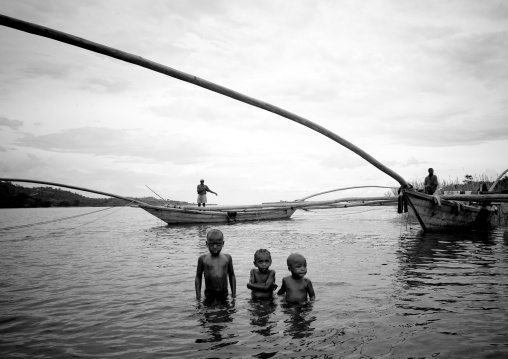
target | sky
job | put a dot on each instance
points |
(415, 84)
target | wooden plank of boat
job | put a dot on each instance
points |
(437, 213)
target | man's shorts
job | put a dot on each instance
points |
(201, 198)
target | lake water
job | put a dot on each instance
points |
(120, 284)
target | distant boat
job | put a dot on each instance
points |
(196, 216)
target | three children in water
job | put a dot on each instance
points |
(217, 268)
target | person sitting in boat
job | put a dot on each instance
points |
(430, 184)
(202, 189)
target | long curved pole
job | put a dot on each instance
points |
(137, 60)
(497, 181)
(339, 189)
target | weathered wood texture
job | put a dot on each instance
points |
(434, 215)
(180, 216)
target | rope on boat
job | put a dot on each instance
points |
(58, 220)
(109, 214)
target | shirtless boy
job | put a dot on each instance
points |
(217, 268)
(262, 279)
(295, 286)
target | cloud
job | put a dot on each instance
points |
(12, 124)
(413, 162)
(103, 85)
(130, 145)
(52, 70)
(451, 129)
(482, 56)
(345, 160)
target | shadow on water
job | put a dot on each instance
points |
(216, 318)
(425, 248)
(450, 287)
(261, 311)
(300, 318)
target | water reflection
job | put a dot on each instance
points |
(450, 272)
(261, 310)
(431, 248)
(298, 325)
(216, 318)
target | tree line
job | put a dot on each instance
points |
(16, 196)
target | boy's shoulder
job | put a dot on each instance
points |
(227, 255)
(256, 271)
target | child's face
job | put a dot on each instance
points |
(215, 245)
(298, 268)
(263, 262)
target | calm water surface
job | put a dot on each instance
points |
(120, 284)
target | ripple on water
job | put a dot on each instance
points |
(124, 287)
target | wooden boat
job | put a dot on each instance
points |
(436, 213)
(454, 210)
(195, 216)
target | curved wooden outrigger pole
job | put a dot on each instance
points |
(338, 189)
(497, 181)
(137, 60)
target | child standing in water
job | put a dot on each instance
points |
(217, 268)
(262, 279)
(295, 286)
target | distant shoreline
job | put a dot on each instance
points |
(16, 196)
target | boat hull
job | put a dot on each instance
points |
(183, 216)
(435, 214)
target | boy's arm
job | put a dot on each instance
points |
(252, 279)
(199, 277)
(232, 277)
(310, 290)
(282, 289)
(264, 287)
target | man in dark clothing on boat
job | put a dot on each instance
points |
(430, 183)
(202, 189)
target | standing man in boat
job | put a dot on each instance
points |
(430, 183)
(202, 189)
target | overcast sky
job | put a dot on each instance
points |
(415, 84)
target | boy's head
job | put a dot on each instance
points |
(297, 265)
(214, 241)
(262, 259)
